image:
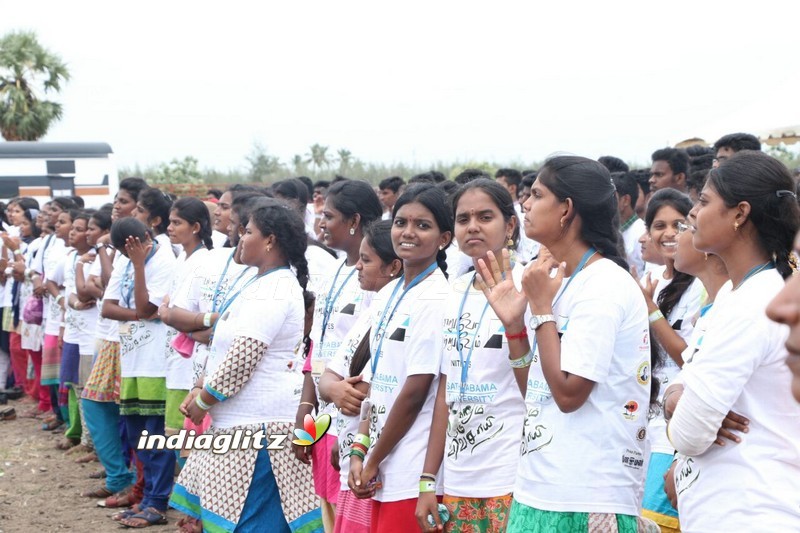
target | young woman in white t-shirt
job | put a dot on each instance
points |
(406, 345)
(479, 409)
(190, 229)
(349, 207)
(138, 285)
(748, 216)
(343, 381)
(674, 298)
(253, 382)
(583, 448)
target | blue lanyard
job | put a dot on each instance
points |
(706, 308)
(219, 282)
(459, 349)
(384, 322)
(127, 297)
(330, 302)
(753, 271)
(229, 301)
(586, 256)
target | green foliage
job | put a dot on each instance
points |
(27, 72)
(263, 167)
(789, 157)
(177, 171)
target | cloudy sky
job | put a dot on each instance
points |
(415, 81)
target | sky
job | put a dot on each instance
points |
(414, 82)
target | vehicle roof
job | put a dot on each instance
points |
(33, 149)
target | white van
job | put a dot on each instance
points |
(44, 170)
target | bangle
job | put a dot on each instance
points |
(359, 447)
(357, 453)
(521, 335)
(197, 387)
(655, 316)
(207, 320)
(201, 404)
(523, 362)
(60, 297)
(427, 486)
(309, 404)
(427, 476)
(360, 438)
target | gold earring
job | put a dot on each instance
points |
(706, 256)
(269, 247)
(735, 226)
(510, 242)
(352, 231)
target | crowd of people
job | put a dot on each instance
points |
(582, 348)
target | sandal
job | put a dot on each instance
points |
(55, 425)
(121, 499)
(149, 517)
(121, 515)
(101, 492)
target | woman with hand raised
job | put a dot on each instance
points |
(582, 456)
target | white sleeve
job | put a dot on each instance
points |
(694, 424)
(424, 348)
(57, 276)
(114, 284)
(159, 279)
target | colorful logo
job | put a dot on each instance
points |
(313, 430)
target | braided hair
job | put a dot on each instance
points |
(289, 230)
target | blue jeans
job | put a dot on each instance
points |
(159, 465)
(102, 418)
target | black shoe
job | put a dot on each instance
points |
(14, 393)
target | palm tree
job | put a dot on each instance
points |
(24, 115)
(318, 156)
(345, 159)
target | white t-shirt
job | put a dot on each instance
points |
(52, 263)
(412, 345)
(142, 341)
(269, 310)
(591, 460)
(681, 318)
(527, 248)
(320, 265)
(107, 329)
(483, 437)
(79, 326)
(217, 276)
(753, 485)
(218, 239)
(342, 295)
(633, 250)
(180, 374)
(347, 426)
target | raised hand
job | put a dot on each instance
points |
(137, 251)
(540, 289)
(497, 285)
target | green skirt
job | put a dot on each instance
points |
(173, 420)
(143, 396)
(530, 520)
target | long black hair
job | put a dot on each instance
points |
(669, 297)
(589, 185)
(353, 197)
(289, 230)
(127, 227)
(766, 184)
(434, 200)
(194, 211)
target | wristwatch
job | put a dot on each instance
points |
(538, 320)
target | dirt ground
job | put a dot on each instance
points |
(40, 486)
